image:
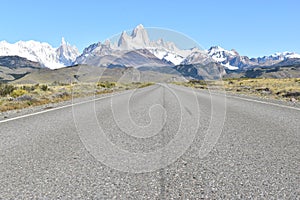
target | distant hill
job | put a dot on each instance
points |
(209, 71)
(14, 62)
(15, 67)
(289, 71)
(85, 73)
(21, 70)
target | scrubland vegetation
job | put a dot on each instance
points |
(17, 96)
(285, 89)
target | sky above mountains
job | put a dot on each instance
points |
(253, 28)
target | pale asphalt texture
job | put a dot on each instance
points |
(256, 156)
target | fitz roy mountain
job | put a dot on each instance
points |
(136, 50)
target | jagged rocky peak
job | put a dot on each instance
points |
(140, 35)
(216, 48)
(160, 42)
(124, 41)
(107, 43)
(66, 53)
(137, 40)
(235, 52)
(219, 50)
(63, 41)
(137, 29)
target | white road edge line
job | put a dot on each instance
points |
(58, 108)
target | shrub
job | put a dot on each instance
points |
(200, 82)
(136, 83)
(44, 87)
(58, 83)
(106, 84)
(28, 88)
(6, 89)
(145, 85)
(18, 93)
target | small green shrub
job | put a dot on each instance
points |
(199, 82)
(107, 84)
(28, 88)
(58, 83)
(18, 93)
(145, 85)
(6, 89)
(44, 87)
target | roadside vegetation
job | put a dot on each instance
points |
(284, 89)
(199, 84)
(17, 96)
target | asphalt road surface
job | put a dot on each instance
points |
(161, 142)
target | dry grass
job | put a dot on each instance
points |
(26, 95)
(198, 84)
(285, 89)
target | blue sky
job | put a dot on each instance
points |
(253, 28)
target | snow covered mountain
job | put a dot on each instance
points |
(164, 50)
(66, 53)
(137, 40)
(135, 49)
(276, 58)
(41, 52)
(232, 60)
(197, 57)
(160, 52)
(168, 51)
(103, 55)
(229, 59)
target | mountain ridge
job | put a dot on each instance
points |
(157, 53)
(41, 52)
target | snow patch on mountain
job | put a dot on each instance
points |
(167, 55)
(197, 57)
(219, 54)
(282, 56)
(230, 67)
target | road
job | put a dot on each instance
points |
(160, 142)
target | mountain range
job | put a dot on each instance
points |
(137, 50)
(41, 52)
